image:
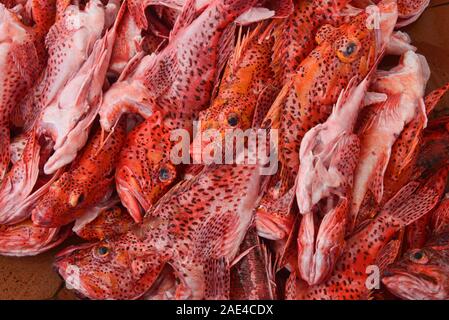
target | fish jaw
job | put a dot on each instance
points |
(273, 216)
(52, 209)
(317, 258)
(130, 195)
(410, 284)
(271, 226)
(137, 195)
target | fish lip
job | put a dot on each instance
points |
(410, 284)
(127, 195)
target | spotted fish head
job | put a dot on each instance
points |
(227, 114)
(344, 52)
(65, 200)
(225, 117)
(123, 268)
(144, 171)
(422, 273)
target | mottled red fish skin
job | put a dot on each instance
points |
(179, 79)
(295, 35)
(318, 82)
(189, 91)
(247, 75)
(138, 7)
(362, 249)
(426, 264)
(407, 147)
(44, 15)
(182, 231)
(58, 42)
(417, 233)
(115, 268)
(144, 170)
(26, 239)
(410, 7)
(109, 223)
(86, 183)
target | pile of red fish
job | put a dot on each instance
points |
(91, 92)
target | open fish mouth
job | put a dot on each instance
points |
(132, 200)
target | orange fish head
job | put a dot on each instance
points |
(227, 114)
(352, 48)
(144, 171)
(64, 201)
(141, 187)
(110, 269)
(342, 53)
(422, 273)
(224, 117)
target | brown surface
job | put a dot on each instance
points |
(33, 277)
(28, 277)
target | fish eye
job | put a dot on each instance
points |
(102, 251)
(164, 174)
(350, 49)
(419, 256)
(233, 119)
(80, 198)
